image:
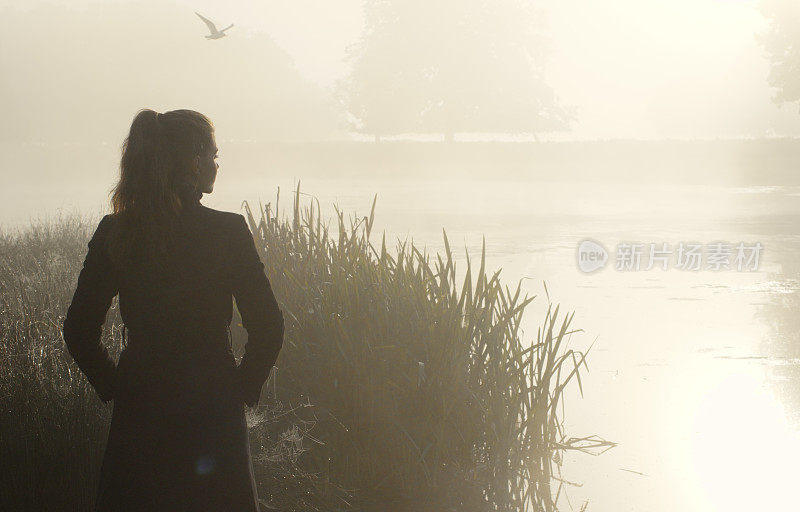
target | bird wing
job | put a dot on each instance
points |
(208, 22)
(226, 28)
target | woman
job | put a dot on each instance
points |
(178, 438)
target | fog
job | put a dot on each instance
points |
(631, 69)
(534, 124)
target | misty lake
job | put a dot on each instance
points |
(694, 374)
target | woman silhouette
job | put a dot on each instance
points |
(178, 438)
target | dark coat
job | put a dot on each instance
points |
(178, 438)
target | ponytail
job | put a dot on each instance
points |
(155, 184)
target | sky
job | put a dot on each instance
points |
(631, 68)
(657, 69)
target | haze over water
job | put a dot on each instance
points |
(696, 375)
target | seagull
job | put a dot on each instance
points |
(215, 34)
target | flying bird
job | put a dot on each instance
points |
(215, 34)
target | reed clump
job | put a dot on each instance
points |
(421, 392)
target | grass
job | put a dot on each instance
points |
(396, 389)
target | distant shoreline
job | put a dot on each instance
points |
(718, 162)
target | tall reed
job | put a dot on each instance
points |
(424, 394)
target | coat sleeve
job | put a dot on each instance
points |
(83, 325)
(261, 315)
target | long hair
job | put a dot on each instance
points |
(155, 184)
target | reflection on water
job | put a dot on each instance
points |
(734, 442)
(695, 374)
(781, 315)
